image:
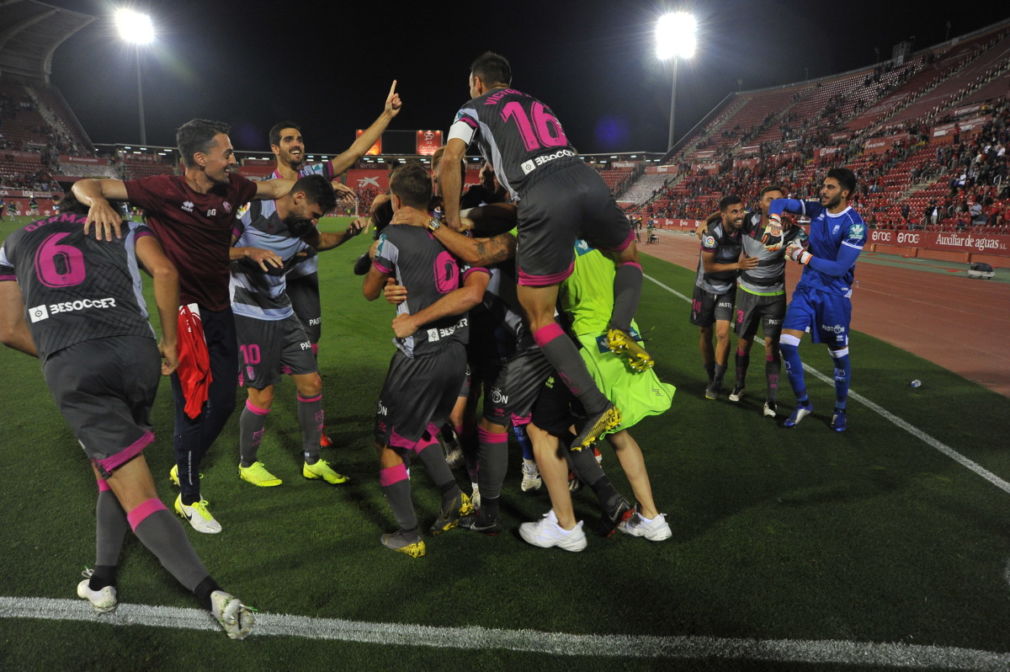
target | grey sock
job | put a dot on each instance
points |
(772, 371)
(627, 291)
(590, 472)
(439, 472)
(566, 360)
(250, 433)
(494, 458)
(310, 419)
(398, 495)
(720, 371)
(110, 529)
(163, 535)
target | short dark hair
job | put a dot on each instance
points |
(196, 135)
(728, 201)
(69, 203)
(317, 190)
(771, 187)
(492, 68)
(846, 178)
(411, 184)
(275, 130)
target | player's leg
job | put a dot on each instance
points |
(706, 345)
(772, 329)
(837, 312)
(647, 521)
(309, 387)
(492, 441)
(703, 317)
(558, 527)
(110, 531)
(627, 292)
(395, 482)
(455, 503)
(251, 427)
(538, 302)
(742, 362)
(722, 343)
(260, 348)
(550, 217)
(304, 294)
(587, 468)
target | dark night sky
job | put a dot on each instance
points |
(329, 65)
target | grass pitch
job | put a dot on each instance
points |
(868, 536)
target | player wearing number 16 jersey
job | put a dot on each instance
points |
(560, 199)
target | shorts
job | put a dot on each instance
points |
(418, 391)
(567, 202)
(707, 307)
(515, 391)
(557, 410)
(304, 294)
(753, 309)
(104, 389)
(269, 348)
(825, 315)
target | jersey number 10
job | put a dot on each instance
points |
(544, 131)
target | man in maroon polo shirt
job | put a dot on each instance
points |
(193, 215)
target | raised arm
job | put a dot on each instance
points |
(166, 295)
(327, 241)
(455, 302)
(14, 331)
(450, 181)
(96, 194)
(348, 157)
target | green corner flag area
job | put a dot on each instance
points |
(884, 547)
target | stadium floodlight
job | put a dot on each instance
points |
(134, 27)
(676, 38)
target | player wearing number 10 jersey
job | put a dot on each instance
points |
(560, 199)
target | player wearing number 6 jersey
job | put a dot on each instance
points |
(87, 322)
(822, 300)
(560, 199)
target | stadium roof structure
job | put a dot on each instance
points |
(31, 32)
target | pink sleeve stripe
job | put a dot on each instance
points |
(309, 400)
(9, 278)
(381, 268)
(391, 475)
(475, 269)
(633, 264)
(485, 436)
(627, 241)
(113, 462)
(145, 509)
(253, 408)
(468, 121)
(545, 335)
(103, 485)
(143, 233)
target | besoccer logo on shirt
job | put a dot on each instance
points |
(38, 313)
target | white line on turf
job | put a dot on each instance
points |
(892, 418)
(895, 655)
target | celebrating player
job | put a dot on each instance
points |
(193, 215)
(761, 299)
(288, 146)
(88, 325)
(427, 370)
(560, 199)
(271, 337)
(822, 300)
(715, 287)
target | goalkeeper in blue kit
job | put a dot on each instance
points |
(821, 303)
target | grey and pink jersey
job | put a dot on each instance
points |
(429, 272)
(311, 264)
(515, 132)
(76, 288)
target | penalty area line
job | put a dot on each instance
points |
(888, 654)
(930, 441)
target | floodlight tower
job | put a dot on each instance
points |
(676, 38)
(136, 29)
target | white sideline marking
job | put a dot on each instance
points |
(892, 418)
(888, 654)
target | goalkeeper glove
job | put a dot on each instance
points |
(798, 254)
(771, 237)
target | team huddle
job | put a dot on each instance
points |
(517, 296)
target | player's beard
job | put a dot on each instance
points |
(296, 162)
(833, 203)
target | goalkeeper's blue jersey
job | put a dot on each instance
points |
(828, 233)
